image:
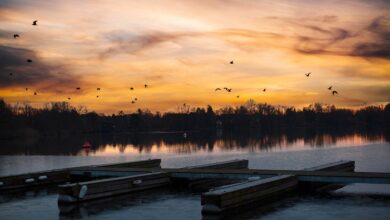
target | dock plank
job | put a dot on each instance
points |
(14, 182)
(231, 197)
(70, 193)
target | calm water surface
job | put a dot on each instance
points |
(357, 201)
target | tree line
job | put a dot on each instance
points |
(59, 118)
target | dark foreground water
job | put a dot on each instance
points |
(357, 201)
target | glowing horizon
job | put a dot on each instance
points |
(182, 50)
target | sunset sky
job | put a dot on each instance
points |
(182, 50)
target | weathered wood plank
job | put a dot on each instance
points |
(202, 185)
(339, 166)
(33, 179)
(226, 199)
(303, 175)
(56, 176)
(230, 164)
(79, 192)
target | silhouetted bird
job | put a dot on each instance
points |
(11, 74)
(132, 102)
(131, 88)
(146, 85)
(330, 88)
(231, 62)
(334, 92)
(16, 35)
(35, 22)
(227, 89)
(264, 90)
(307, 74)
(98, 89)
(69, 98)
(29, 61)
(217, 89)
(35, 93)
(97, 96)
(238, 96)
(78, 88)
(26, 89)
(135, 99)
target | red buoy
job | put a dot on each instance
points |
(87, 145)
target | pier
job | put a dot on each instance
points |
(228, 186)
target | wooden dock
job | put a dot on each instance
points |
(239, 195)
(34, 179)
(120, 182)
(234, 185)
(232, 198)
(83, 191)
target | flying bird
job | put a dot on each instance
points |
(330, 88)
(217, 89)
(231, 62)
(227, 89)
(35, 22)
(26, 89)
(97, 96)
(307, 74)
(131, 88)
(29, 61)
(11, 74)
(78, 88)
(132, 102)
(264, 90)
(69, 98)
(16, 35)
(238, 96)
(135, 99)
(35, 93)
(146, 85)
(98, 89)
(334, 92)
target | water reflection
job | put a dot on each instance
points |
(192, 142)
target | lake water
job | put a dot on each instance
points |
(356, 201)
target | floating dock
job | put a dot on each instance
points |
(83, 191)
(50, 177)
(120, 181)
(229, 186)
(242, 195)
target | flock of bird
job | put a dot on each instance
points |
(133, 101)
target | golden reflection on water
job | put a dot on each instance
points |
(234, 146)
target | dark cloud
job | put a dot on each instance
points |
(36, 74)
(133, 44)
(365, 94)
(321, 45)
(379, 46)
